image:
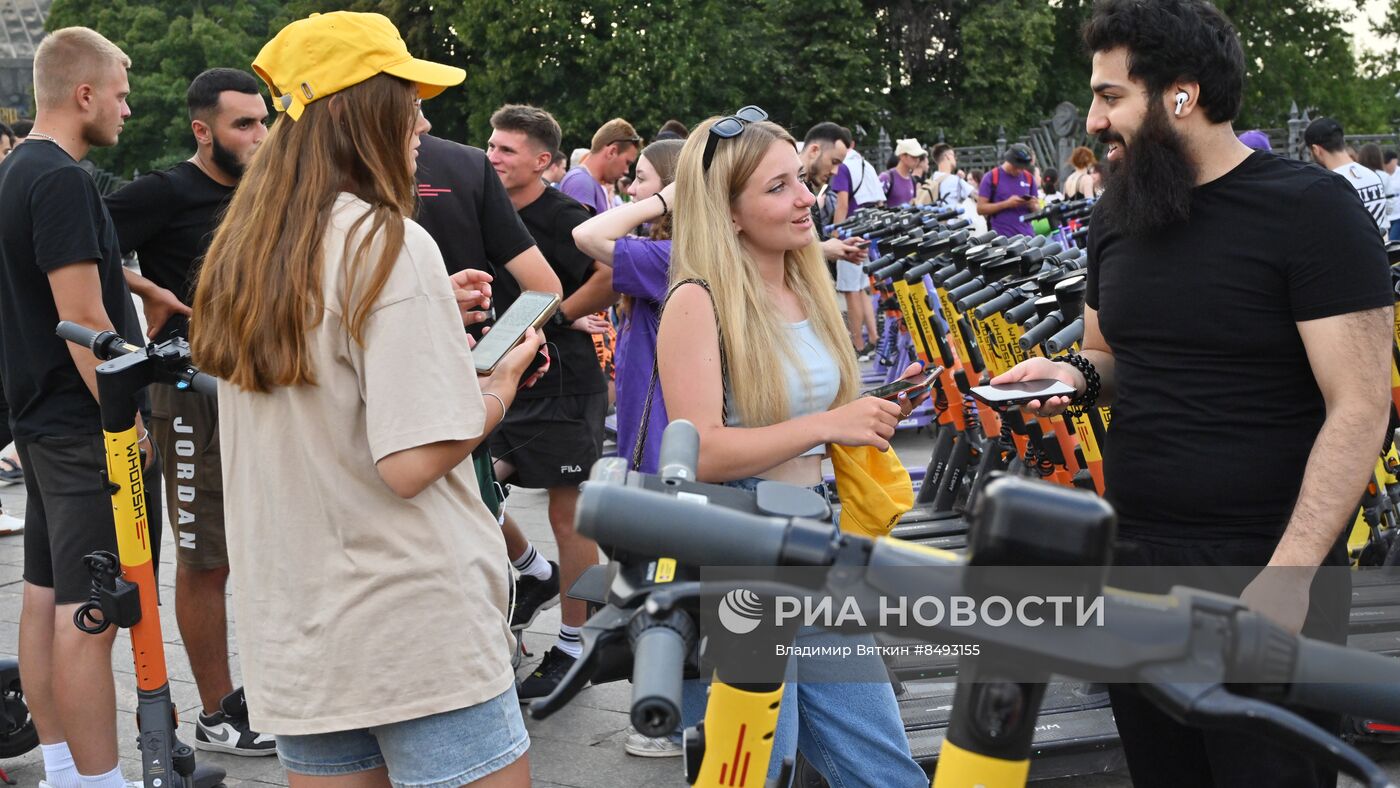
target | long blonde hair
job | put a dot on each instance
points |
(260, 288)
(706, 247)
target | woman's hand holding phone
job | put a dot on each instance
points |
(868, 421)
(518, 359)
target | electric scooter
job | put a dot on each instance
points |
(124, 585)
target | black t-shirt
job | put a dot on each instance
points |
(460, 196)
(1217, 405)
(168, 218)
(574, 363)
(53, 217)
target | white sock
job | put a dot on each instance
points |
(59, 770)
(569, 641)
(112, 779)
(533, 564)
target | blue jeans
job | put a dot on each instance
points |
(1395, 230)
(850, 731)
(444, 750)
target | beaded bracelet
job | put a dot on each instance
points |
(1082, 403)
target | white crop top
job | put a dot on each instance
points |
(823, 379)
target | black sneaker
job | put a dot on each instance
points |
(533, 595)
(547, 676)
(227, 730)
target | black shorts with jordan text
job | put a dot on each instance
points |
(185, 426)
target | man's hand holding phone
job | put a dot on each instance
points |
(1040, 368)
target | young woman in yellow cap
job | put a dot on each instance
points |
(762, 366)
(370, 585)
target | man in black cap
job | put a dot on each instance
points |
(1328, 145)
(1008, 193)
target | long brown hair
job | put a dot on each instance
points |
(260, 289)
(663, 155)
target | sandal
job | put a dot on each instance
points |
(10, 472)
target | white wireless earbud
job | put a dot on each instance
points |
(1181, 98)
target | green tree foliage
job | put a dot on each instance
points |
(169, 43)
(1295, 51)
(651, 60)
(914, 67)
(1006, 46)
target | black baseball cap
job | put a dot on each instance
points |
(1019, 155)
(1326, 132)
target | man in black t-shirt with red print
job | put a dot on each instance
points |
(1238, 318)
(168, 218)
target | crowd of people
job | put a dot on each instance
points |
(335, 267)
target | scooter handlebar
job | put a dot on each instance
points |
(202, 383)
(1335, 678)
(659, 649)
(103, 344)
(698, 534)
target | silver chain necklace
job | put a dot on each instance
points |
(40, 135)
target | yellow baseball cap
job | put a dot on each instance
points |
(315, 57)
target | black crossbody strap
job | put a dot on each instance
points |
(640, 447)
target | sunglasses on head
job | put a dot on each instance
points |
(633, 140)
(729, 128)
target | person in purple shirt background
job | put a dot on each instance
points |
(613, 152)
(641, 273)
(1008, 193)
(899, 180)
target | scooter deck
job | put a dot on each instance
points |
(1074, 736)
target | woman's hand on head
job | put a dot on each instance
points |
(668, 193)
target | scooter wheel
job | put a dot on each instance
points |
(18, 735)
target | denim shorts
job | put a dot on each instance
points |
(444, 750)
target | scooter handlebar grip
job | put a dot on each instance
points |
(693, 532)
(82, 335)
(680, 451)
(1066, 336)
(658, 664)
(1329, 677)
(1046, 328)
(207, 385)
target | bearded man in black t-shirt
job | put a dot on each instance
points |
(168, 219)
(1238, 319)
(59, 260)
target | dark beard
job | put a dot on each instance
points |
(225, 159)
(1149, 187)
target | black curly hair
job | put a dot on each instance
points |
(1173, 40)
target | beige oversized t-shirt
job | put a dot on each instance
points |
(355, 607)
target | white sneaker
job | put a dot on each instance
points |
(9, 525)
(647, 747)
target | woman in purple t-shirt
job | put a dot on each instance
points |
(641, 268)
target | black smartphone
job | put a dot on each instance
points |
(861, 241)
(1008, 394)
(913, 388)
(530, 310)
